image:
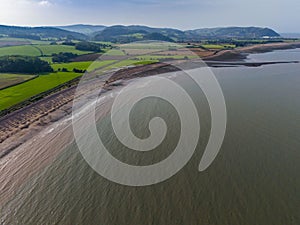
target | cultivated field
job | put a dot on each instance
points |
(7, 80)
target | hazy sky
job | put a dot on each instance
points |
(283, 16)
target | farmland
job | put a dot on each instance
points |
(16, 94)
(129, 55)
(7, 80)
(34, 42)
(39, 50)
(48, 50)
(217, 46)
(88, 65)
(25, 50)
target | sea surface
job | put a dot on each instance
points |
(255, 179)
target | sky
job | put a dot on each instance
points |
(283, 16)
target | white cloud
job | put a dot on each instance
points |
(44, 3)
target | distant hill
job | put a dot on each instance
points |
(231, 32)
(125, 34)
(83, 29)
(38, 33)
(135, 33)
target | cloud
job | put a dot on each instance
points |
(45, 3)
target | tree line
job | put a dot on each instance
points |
(23, 64)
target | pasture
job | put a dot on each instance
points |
(24, 50)
(7, 80)
(16, 94)
(88, 65)
(39, 50)
(215, 46)
(48, 50)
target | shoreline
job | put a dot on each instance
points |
(240, 54)
(34, 135)
(22, 124)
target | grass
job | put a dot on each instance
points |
(127, 62)
(147, 62)
(35, 42)
(27, 50)
(154, 46)
(47, 59)
(98, 64)
(115, 52)
(39, 50)
(71, 66)
(104, 42)
(212, 46)
(12, 79)
(48, 50)
(136, 35)
(16, 94)
(157, 57)
(88, 65)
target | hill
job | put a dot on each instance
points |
(125, 34)
(83, 29)
(231, 32)
(38, 33)
(136, 33)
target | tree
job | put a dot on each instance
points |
(88, 46)
(23, 64)
(63, 57)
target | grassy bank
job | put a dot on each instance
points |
(16, 94)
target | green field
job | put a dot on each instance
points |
(154, 46)
(35, 42)
(115, 52)
(128, 62)
(145, 62)
(48, 50)
(7, 79)
(157, 57)
(47, 59)
(39, 50)
(88, 65)
(211, 46)
(21, 92)
(25, 50)
(16, 94)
